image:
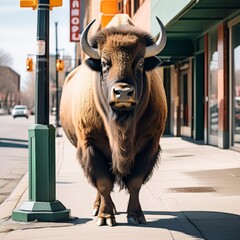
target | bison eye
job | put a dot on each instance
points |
(105, 66)
(140, 65)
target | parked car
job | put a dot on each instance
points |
(20, 111)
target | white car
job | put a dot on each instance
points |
(20, 111)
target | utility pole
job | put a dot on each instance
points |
(57, 90)
(42, 204)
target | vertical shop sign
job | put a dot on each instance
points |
(74, 20)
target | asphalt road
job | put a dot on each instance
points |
(13, 152)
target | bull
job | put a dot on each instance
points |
(113, 110)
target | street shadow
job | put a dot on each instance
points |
(13, 143)
(200, 224)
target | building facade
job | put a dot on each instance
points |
(201, 63)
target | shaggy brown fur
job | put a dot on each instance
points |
(120, 146)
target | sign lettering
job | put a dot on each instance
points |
(74, 20)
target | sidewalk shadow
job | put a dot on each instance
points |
(77, 221)
(204, 224)
(11, 225)
(13, 143)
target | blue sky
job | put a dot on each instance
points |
(18, 28)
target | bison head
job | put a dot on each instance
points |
(122, 55)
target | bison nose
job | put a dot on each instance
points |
(123, 92)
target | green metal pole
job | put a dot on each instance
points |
(57, 87)
(42, 204)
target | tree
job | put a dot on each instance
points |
(28, 91)
(9, 82)
(5, 58)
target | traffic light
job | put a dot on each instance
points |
(34, 3)
(60, 65)
(29, 64)
(29, 3)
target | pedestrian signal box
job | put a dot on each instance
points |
(60, 65)
(34, 3)
(29, 64)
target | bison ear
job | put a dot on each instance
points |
(151, 63)
(94, 64)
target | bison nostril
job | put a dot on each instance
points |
(116, 92)
(130, 93)
(123, 92)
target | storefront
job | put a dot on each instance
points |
(203, 49)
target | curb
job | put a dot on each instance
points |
(11, 202)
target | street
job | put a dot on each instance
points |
(13, 152)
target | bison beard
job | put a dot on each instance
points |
(117, 138)
(122, 148)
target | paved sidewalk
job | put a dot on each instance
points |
(194, 194)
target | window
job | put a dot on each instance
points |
(213, 84)
(236, 83)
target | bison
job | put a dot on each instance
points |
(113, 110)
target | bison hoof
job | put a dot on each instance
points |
(95, 212)
(103, 221)
(100, 221)
(111, 222)
(137, 220)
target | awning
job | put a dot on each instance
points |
(192, 22)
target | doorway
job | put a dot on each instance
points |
(185, 100)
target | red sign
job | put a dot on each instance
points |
(74, 20)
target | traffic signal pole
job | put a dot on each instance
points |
(57, 90)
(42, 204)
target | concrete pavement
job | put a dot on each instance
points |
(194, 194)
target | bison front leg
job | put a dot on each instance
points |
(96, 205)
(134, 212)
(96, 168)
(106, 207)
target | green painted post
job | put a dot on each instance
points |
(42, 204)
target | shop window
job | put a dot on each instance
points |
(236, 83)
(213, 85)
(185, 100)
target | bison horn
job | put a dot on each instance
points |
(157, 47)
(90, 51)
